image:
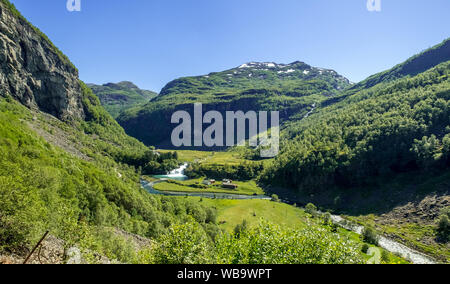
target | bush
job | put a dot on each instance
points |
(443, 227)
(365, 248)
(327, 218)
(275, 198)
(385, 256)
(240, 228)
(369, 235)
(272, 244)
(211, 215)
(311, 209)
(183, 244)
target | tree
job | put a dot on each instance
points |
(443, 226)
(427, 150)
(311, 209)
(272, 244)
(240, 228)
(369, 235)
(184, 244)
(275, 198)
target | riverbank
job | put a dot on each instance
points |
(390, 245)
(149, 187)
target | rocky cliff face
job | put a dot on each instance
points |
(35, 72)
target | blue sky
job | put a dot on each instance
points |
(152, 42)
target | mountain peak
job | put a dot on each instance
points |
(271, 65)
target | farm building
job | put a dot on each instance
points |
(229, 185)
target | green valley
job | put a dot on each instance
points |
(89, 174)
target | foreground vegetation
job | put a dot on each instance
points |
(250, 236)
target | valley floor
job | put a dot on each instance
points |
(400, 212)
(405, 209)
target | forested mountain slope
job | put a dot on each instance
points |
(393, 127)
(116, 98)
(289, 88)
(65, 165)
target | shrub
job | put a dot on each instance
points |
(443, 226)
(275, 198)
(183, 244)
(327, 218)
(369, 235)
(365, 248)
(311, 209)
(385, 256)
(272, 244)
(211, 215)
(240, 228)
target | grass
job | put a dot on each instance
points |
(149, 178)
(224, 158)
(233, 212)
(189, 155)
(209, 158)
(245, 188)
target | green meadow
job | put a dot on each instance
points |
(195, 185)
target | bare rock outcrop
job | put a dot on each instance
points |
(33, 71)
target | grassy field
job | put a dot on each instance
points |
(234, 212)
(149, 178)
(219, 158)
(190, 156)
(245, 188)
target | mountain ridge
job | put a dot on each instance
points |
(289, 88)
(414, 65)
(117, 97)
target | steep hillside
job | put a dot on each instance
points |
(289, 88)
(34, 71)
(413, 66)
(391, 128)
(65, 165)
(116, 98)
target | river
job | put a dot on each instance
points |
(388, 244)
(177, 174)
